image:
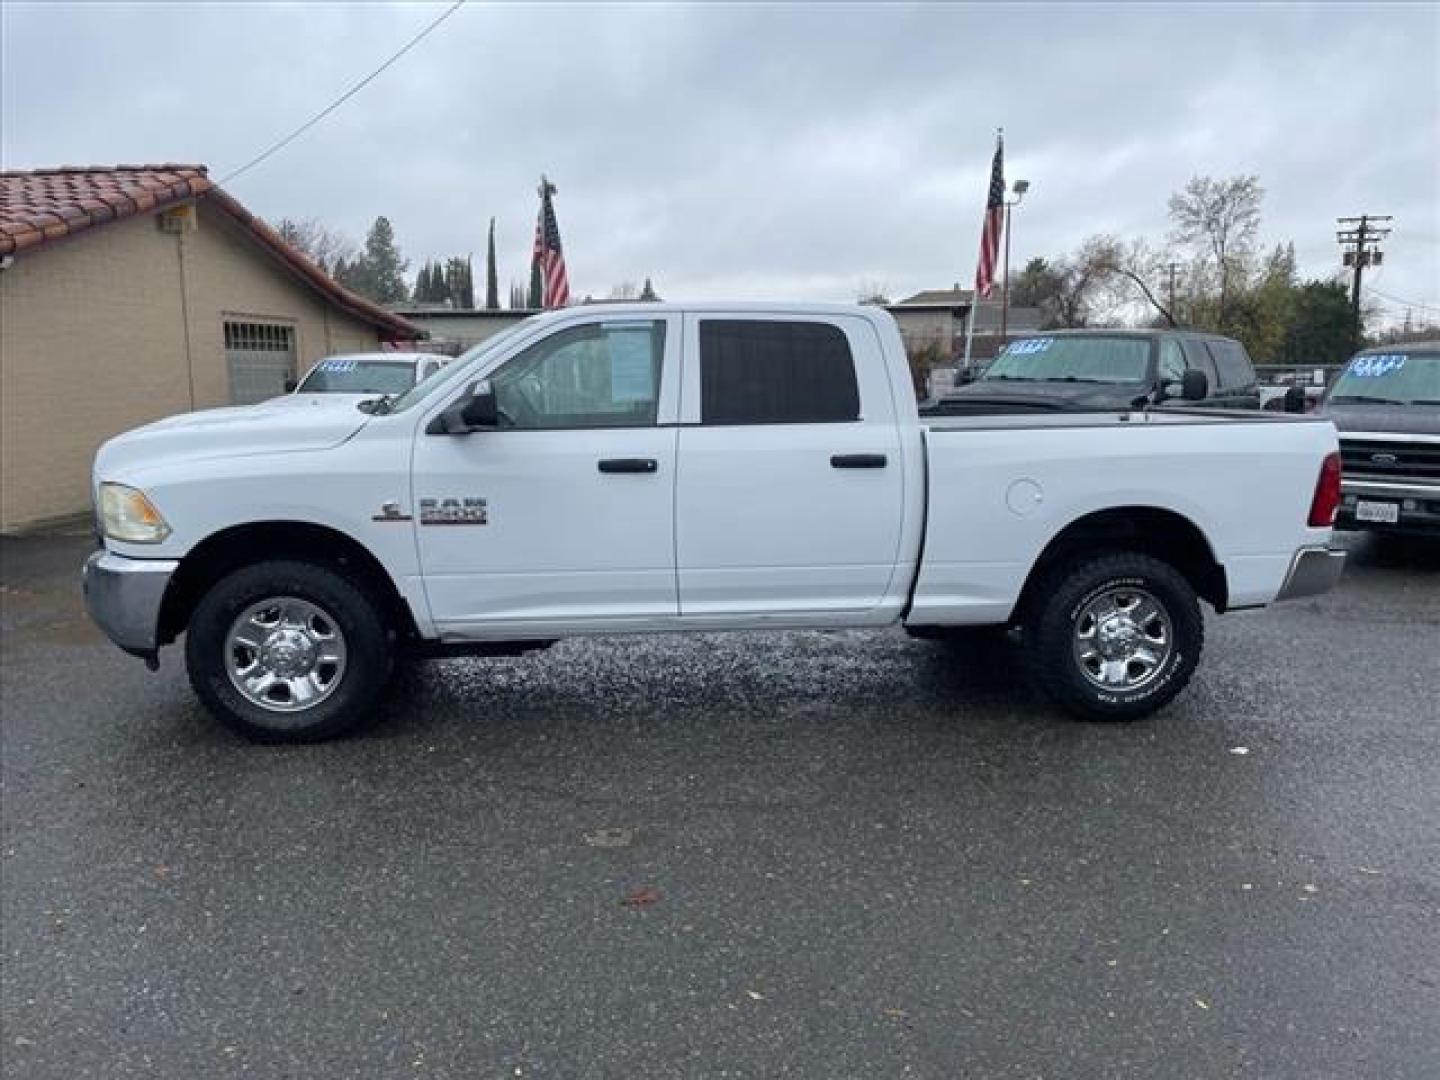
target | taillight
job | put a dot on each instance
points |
(1327, 494)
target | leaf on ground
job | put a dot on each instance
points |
(641, 896)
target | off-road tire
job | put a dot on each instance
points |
(352, 606)
(1050, 628)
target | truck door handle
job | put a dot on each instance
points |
(857, 461)
(629, 464)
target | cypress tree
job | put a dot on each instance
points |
(492, 282)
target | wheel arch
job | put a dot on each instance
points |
(243, 545)
(1151, 530)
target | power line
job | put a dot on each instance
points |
(346, 96)
(1401, 300)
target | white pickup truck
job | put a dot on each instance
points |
(646, 468)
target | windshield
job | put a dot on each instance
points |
(1396, 378)
(1072, 359)
(342, 375)
(425, 387)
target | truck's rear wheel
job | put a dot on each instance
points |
(288, 651)
(1114, 637)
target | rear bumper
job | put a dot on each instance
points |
(1314, 570)
(123, 597)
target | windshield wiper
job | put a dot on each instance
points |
(1006, 378)
(1075, 378)
(1367, 397)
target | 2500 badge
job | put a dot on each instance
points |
(466, 511)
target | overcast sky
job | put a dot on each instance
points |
(758, 151)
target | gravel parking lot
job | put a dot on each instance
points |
(827, 855)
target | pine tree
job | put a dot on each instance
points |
(458, 282)
(492, 282)
(380, 271)
(648, 292)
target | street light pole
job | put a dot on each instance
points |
(1020, 188)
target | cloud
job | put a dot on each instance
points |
(757, 150)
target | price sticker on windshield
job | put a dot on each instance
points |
(1374, 367)
(1030, 345)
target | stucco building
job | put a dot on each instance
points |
(134, 292)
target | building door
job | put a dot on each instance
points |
(260, 358)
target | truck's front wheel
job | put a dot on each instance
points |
(1114, 637)
(288, 651)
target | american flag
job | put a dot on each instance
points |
(554, 282)
(994, 222)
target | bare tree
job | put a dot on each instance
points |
(873, 292)
(1128, 266)
(626, 290)
(322, 246)
(1219, 220)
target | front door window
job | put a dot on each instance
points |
(601, 375)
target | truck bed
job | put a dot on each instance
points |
(1000, 488)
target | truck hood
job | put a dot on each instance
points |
(995, 395)
(266, 428)
(1379, 417)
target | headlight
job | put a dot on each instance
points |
(126, 514)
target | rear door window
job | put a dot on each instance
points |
(1232, 364)
(776, 372)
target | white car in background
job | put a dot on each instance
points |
(365, 375)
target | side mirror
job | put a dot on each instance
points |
(290, 385)
(1295, 399)
(1194, 386)
(474, 412)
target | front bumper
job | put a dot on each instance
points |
(123, 597)
(1313, 571)
(1417, 503)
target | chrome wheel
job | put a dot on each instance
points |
(285, 654)
(1123, 638)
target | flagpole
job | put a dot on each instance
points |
(974, 292)
(969, 330)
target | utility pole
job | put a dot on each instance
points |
(1360, 237)
(1171, 269)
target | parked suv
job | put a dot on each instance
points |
(1386, 404)
(1101, 370)
(368, 374)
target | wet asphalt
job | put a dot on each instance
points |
(810, 855)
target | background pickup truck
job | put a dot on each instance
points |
(1091, 370)
(677, 468)
(1386, 404)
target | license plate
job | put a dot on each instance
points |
(1386, 513)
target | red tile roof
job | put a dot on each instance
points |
(40, 206)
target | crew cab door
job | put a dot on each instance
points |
(789, 496)
(565, 513)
